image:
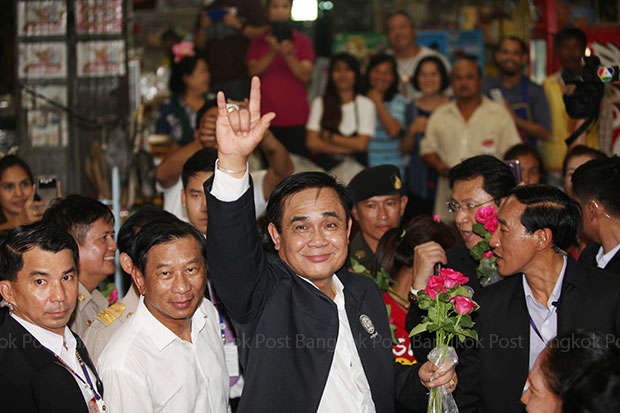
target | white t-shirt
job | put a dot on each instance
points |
(362, 122)
(406, 68)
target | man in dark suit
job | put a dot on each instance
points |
(521, 314)
(595, 184)
(44, 367)
(313, 336)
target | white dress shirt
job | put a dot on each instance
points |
(65, 347)
(602, 258)
(347, 388)
(544, 317)
(147, 368)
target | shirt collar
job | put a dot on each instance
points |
(52, 341)
(161, 335)
(557, 289)
(602, 258)
(87, 296)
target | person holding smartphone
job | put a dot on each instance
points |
(283, 58)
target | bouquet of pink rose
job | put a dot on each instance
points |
(449, 305)
(485, 226)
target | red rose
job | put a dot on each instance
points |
(452, 278)
(488, 254)
(463, 305)
(486, 214)
(430, 292)
(436, 282)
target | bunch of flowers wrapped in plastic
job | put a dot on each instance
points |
(448, 305)
(485, 226)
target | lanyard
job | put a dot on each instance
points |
(533, 324)
(88, 381)
(222, 328)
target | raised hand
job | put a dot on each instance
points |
(239, 132)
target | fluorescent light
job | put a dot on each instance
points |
(305, 10)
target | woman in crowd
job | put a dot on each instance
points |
(395, 255)
(578, 372)
(431, 79)
(283, 58)
(189, 83)
(530, 161)
(342, 121)
(17, 191)
(382, 89)
(576, 157)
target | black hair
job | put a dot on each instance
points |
(396, 247)
(183, 67)
(548, 207)
(10, 161)
(599, 179)
(524, 48)
(134, 223)
(523, 149)
(571, 33)
(76, 214)
(162, 231)
(377, 60)
(579, 150)
(443, 72)
(201, 161)
(332, 105)
(22, 239)
(299, 182)
(582, 368)
(210, 103)
(497, 177)
(399, 12)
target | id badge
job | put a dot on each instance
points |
(232, 359)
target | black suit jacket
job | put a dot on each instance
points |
(287, 328)
(32, 379)
(588, 258)
(492, 376)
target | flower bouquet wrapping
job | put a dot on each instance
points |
(485, 226)
(448, 305)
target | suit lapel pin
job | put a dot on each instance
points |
(366, 322)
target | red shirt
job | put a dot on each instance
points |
(402, 352)
(281, 91)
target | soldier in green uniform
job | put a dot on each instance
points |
(379, 206)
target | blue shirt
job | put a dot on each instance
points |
(384, 149)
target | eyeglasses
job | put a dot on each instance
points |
(454, 207)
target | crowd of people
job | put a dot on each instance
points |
(283, 271)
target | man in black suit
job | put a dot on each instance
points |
(595, 184)
(44, 367)
(519, 315)
(313, 336)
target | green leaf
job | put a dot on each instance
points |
(432, 313)
(471, 333)
(420, 328)
(466, 321)
(444, 297)
(479, 229)
(479, 249)
(432, 327)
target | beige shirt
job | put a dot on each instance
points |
(88, 306)
(490, 130)
(108, 321)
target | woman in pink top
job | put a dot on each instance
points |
(283, 58)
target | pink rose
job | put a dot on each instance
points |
(483, 215)
(491, 225)
(488, 254)
(113, 296)
(463, 305)
(452, 278)
(430, 292)
(435, 282)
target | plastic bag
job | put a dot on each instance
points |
(439, 400)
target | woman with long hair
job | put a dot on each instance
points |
(431, 79)
(17, 191)
(382, 89)
(342, 121)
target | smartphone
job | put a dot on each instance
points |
(281, 31)
(47, 188)
(515, 167)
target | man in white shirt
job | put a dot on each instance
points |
(314, 337)
(44, 367)
(401, 34)
(169, 357)
(469, 125)
(549, 294)
(595, 184)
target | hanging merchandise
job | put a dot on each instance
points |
(101, 58)
(42, 60)
(41, 18)
(98, 16)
